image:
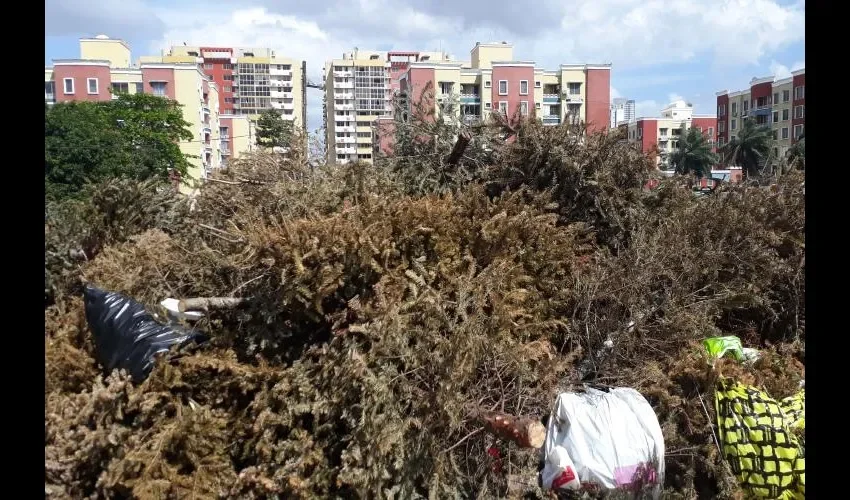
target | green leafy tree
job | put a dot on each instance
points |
(750, 149)
(273, 130)
(134, 136)
(693, 155)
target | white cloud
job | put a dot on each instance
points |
(780, 71)
(615, 94)
(674, 97)
(643, 32)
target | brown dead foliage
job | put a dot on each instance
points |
(380, 321)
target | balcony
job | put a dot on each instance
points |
(346, 128)
(470, 119)
(49, 97)
(663, 138)
(343, 95)
(551, 99)
(346, 151)
(573, 98)
(344, 107)
(283, 105)
(277, 94)
(280, 72)
(343, 74)
(344, 118)
(346, 140)
(551, 120)
(763, 111)
(344, 85)
(470, 99)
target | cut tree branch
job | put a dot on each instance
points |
(526, 432)
(207, 303)
(459, 148)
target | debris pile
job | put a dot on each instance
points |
(384, 330)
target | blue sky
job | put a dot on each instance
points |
(660, 50)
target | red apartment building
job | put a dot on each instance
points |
(778, 104)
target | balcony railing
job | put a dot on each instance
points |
(551, 98)
(471, 119)
(765, 111)
(551, 120)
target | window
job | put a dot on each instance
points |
(487, 84)
(158, 88)
(140, 88)
(228, 89)
(574, 88)
(786, 95)
(92, 85)
(711, 131)
(503, 87)
(446, 88)
(746, 106)
(798, 131)
(68, 85)
(775, 134)
(523, 108)
(799, 92)
(734, 109)
(537, 85)
(776, 98)
(721, 127)
(487, 105)
(536, 105)
(798, 112)
(503, 106)
(734, 124)
(228, 78)
(120, 88)
(761, 102)
(49, 90)
(227, 66)
(224, 133)
(229, 100)
(784, 132)
(523, 87)
(776, 117)
(785, 114)
(208, 66)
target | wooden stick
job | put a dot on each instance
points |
(526, 432)
(207, 303)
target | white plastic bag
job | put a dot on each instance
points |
(560, 472)
(612, 438)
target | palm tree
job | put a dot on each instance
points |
(751, 149)
(797, 154)
(693, 155)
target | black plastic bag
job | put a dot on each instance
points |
(126, 336)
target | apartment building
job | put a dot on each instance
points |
(105, 67)
(778, 104)
(251, 80)
(659, 136)
(359, 90)
(622, 111)
(494, 81)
